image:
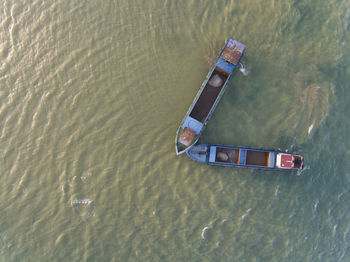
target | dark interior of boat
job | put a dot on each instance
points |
(257, 158)
(227, 155)
(209, 94)
(297, 162)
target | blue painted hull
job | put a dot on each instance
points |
(208, 96)
(246, 157)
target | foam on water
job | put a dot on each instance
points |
(310, 128)
(84, 201)
(243, 70)
(246, 214)
(204, 230)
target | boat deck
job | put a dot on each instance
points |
(198, 153)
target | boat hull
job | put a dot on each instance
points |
(246, 157)
(208, 96)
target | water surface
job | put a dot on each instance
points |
(92, 94)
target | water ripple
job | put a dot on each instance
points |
(91, 96)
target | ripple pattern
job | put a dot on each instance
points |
(91, 95)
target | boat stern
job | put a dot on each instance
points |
(199, 153)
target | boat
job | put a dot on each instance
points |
(236, 156)
(208, 95)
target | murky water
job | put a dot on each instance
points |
(92, 94)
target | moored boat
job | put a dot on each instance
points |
(208, 95)
(236, 156)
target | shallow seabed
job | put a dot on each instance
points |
(91, 96)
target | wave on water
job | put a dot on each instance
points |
(310, 128)
(204, 231)
(91, 96)
(207, 228)
(246, 214)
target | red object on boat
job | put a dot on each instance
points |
(287, 161)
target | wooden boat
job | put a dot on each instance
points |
(235, 156)
(208, 95)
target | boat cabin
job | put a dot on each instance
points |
(288, 161)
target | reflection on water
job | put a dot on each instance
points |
(309, 106)
(315, 105)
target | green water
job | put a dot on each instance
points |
(91, 96)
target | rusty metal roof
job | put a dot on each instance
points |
(233, 51)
